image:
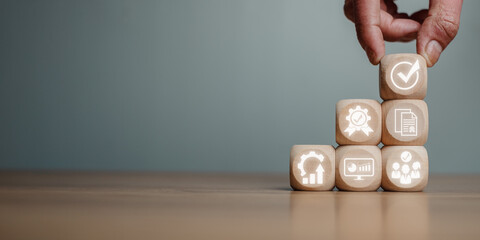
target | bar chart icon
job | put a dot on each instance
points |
(358, 167)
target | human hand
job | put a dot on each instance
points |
(378, 20)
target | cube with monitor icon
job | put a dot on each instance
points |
(400, 123)
(403, 76)
(358, 121)
(358, 168)
(312, 167)
(405, 122)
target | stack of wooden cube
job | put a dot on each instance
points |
(400, 123)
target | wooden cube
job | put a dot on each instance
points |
(403, 76)
(358, 121)
(312, 167)
(358, 168)
(405, 168)
(405, 122)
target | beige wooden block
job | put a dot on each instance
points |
(358, 121)
(405, 122)
(312, 167)
(358, 168)
(403, 76)
(405, 168)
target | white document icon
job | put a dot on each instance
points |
(405, 122)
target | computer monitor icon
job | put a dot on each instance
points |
(358, 167)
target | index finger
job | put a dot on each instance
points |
(367, 24)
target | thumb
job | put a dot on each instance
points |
(438, 29)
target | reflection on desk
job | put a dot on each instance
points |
(96, 205)
(357, 215)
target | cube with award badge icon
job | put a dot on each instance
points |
(358, 122)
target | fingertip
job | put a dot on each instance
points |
(374, 56)
(348, 10)
(438, 29)
(431, 52)
(409, 37)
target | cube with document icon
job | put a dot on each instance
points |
(405, 122)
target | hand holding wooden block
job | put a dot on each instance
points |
(362, 124)
(358, 121)
(405, 168)
(403, 76)
(358, 168)
(405, 122)
(312, 167)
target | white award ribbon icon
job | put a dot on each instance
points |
(358, 121)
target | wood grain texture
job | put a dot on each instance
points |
(348, 117)
(319, 176)
(399, 81)
(346, 180)
(392, 110)
(405, 168)
(101, 205)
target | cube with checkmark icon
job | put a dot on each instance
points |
(358, 122)
(400, 123)
(403, 76)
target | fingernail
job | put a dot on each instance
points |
(372, 56)
(433, 51)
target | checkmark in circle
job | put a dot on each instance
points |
(413, 69)
(402, 81)
(358, 118)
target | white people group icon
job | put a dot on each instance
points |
(406, 170)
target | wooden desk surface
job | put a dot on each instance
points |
(76, 205)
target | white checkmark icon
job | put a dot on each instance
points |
(414, 68)
(358, 119)
(406, 156)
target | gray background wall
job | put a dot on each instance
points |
(205, 85)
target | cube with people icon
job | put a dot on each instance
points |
(358, 121)
(358, 168)
(405, 122)
(405, 168)
(400, 123)
(403, 76)
(312, 167)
